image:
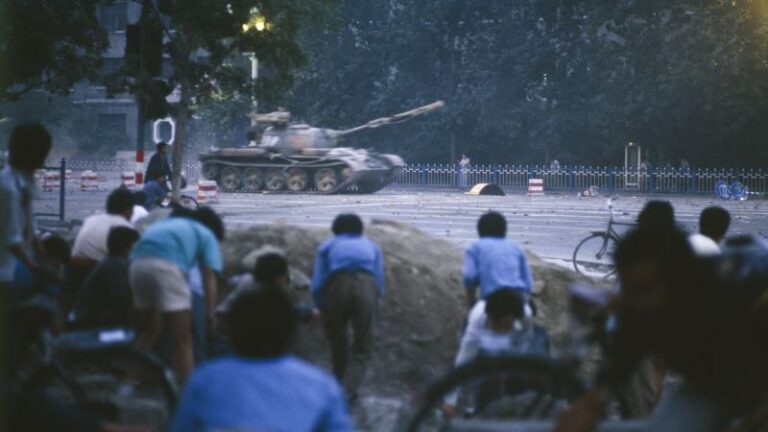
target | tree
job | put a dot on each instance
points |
(48, 44)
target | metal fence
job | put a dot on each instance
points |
(52, 182)
(580, 178)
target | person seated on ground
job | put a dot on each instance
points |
(713, 224)
(261, 387)
(139, 211)
(707, 319)
(154, 192)
(27, 283)
(105, 298)
(90, 245)
(502, 329)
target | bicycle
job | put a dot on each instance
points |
(593, 256)
(97, 370)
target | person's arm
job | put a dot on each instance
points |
(319, 274)
(470, 275)
(209, 289)
(525, 272)
(468, 350)
(379, 269)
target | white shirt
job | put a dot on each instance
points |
(138, 213)
(91, 240)
(17, 220)
(703, 245)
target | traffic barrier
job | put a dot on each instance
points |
(89, 180)
(51, 181)
(207, 192)
(535, 187)
(68, 174)
(592, 191)
(485, 189)
(128, 180)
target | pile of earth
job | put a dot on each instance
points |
(423, 306)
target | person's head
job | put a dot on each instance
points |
(271, 270)
(28, 147)
(504, 307)
(657, 214)
(161, 147)
(57, 249)
(658, 273)
(120, 241)
(261, 323)
(347, 223)
(492, 224)
(714, 222)
(120, 202)
(204, 215)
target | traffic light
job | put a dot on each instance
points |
(148, 50)
(155, 92)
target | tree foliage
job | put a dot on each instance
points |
(526, 82)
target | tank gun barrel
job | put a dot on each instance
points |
(397, 118)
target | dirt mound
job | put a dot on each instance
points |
(423, 306)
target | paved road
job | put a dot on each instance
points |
(550, 226)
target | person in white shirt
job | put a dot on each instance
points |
(713, 224)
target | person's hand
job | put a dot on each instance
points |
(449, 410)
(583, 415)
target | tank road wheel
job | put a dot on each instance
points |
(230, 179)
(297, 179)
(253, 178)
(326, 180)
(275, 180)
(210, 170)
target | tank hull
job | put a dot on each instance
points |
(328, 171)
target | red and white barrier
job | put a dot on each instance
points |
(535, 187)
(207, 192)
(89, 180)
(128, 180)
(51, 181)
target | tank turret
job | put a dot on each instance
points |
(299, 157)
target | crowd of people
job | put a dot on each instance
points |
(683, 305)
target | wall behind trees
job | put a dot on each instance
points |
(529, 81)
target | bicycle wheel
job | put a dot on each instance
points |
(507, 387)
(189, 202)
(594, 255)
(119, 384)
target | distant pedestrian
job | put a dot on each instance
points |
(555, 165)
(347, 280)
(713, 224)
(463, 168)
(158, 166)
(261, 387)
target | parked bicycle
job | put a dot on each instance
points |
(98, 370)
(594, 255)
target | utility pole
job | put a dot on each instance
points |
(141, 75)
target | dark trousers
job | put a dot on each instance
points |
(350, 297)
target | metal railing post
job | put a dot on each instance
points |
(422, 175)
(62, 188)
(611, 179)
(571, 179)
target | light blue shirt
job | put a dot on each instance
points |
(17, 221)
(346, 252)
(181, 241)
(276, 394)
(494, 262)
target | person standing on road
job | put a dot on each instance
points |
(463, 168)
(158, 166)
(348, 279)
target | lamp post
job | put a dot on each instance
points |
(256, 22)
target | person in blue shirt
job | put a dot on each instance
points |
(261, 387)
(347, 280)
(167, 251)
(158, 167)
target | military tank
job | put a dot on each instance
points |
(298, 158)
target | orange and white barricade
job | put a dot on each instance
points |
(207, 192)
(89, 180)
(128, 180)
(535, 187)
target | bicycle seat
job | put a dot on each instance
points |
(96, 339)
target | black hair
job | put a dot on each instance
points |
(28, 146)
(261, 323)
(139, 198)
(492, 224)
(657, 214)
(503, 303)
(58, 248)
(205, 215)
(269, 267)
(121, 239)
(161, 145)
(119, 201)
(714, 222)
(347, 223)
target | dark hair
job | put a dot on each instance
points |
(119, 201)
(492, 224)
(714, 222)
(121, 239)
(161, 145)
(261, 323)
(58, 248)
(657, 214)
(139, 198)
(503, 303)
(204, 215)
(347, 223)
(28, 146)
(269, 267)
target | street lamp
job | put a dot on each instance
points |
(259, 23)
